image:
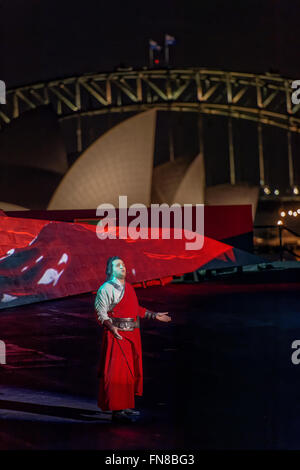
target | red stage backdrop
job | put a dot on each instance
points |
(42, 259)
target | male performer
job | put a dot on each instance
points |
(120, 371)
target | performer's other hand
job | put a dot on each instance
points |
(114, 331)
(163, 316)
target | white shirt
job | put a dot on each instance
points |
(108, 297)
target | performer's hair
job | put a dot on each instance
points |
(109, 266)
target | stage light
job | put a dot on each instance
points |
(276, 192)
(296, 190)
(279, 222)
(298, 210)
(156, 61)
(283, 214)
(290, 212)
(267, 190)
(295, 214)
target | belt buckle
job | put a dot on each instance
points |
(127, 326)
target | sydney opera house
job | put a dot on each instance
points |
(35, 173)
(190, 136)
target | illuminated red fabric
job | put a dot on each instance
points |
(42, 259)
(221, 222)
(45, 260)
(121, 370)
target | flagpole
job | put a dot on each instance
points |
(171, 140)
(151, 56)
(166, 54)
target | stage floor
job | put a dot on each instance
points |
(220, 376)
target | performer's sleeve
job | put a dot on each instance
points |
(145, 313)
(102, 303)
(142, 311)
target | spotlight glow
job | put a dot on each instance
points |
(282, 214)
(279, 222)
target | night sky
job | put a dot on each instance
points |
(47, 39)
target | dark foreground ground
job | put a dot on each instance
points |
(220, 376)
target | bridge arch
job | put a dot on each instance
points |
(262, 98)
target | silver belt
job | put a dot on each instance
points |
(125, 324)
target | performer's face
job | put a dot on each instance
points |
(118, 269)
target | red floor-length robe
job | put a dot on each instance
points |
(120, 369)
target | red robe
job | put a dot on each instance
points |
(120, 369)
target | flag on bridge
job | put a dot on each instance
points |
(169, 40)
(154, 45)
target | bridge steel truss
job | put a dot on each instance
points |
(265, 99)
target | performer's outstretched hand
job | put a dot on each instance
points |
(163, 316)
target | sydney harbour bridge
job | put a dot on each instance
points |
(264, 100)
